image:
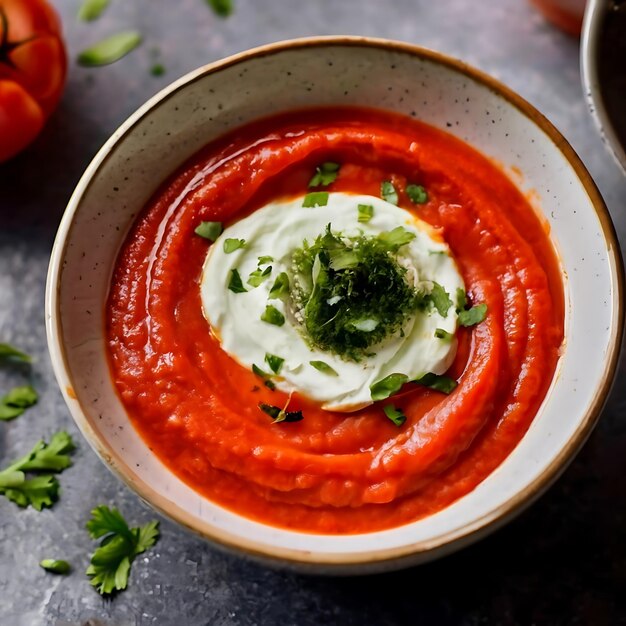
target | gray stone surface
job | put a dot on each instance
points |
(561, 562)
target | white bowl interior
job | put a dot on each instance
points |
(204, 105)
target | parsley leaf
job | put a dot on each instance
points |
(209, 230)
(272, 315)
(325, 174)
(55, 566)
(388, 192)
(280, 415)
(440, 333)
(17, 401)
(109, 50)
(110, 564)
(417, 194)
(258, 276)
(396, 238)
(461, 299)
(280, 287)
(275, 362)
(395, 415)
(445, 384)
(92, 9)
(474, 316)
(265, 376)
(223, 8)
(235, 284)
(366, 212)
(323, 367)
(440, 299)
(387, 386)
(315, 199)
(230, 244)
(158, 69)
(10, 353)
(264, 260)
(41, 490)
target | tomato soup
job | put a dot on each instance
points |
(197, 407)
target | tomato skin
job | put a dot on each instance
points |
(33, 67)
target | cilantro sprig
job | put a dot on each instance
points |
(9, 353)
(325, 174)
(110, 564)
(42, 489)
(14, 403)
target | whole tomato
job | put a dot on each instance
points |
(33, 64)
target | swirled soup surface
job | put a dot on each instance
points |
(197, 407)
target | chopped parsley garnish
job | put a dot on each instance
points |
(388, 192)
(258, 276)
(9, 353)
(272, 315)
(351, 293)
(280, 415)
(417, 194)
(265, 376)
(230, 244)
(17, 401)
(264, 260)
(440, 333)
(315, 199)
(209, 230)
(110, 564)
(275, 362)
(42, 489)
(366, 213)
(55, 566)
(222, 8)
(92, 9)
(445, 384)
(158, 69)
(325, 174)
(323, 367)
(461, 299)
(440, 299)
(474, 316)
(387, 386)
(280, 287)
(235, 284)
(394, 414)
(109, 50)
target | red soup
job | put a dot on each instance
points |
(197, 407)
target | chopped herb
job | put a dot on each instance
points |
(474, 316)
(436, 252)
(366, 212)
(272, 315)
(325, 174)
(110, 49)
(395, 415)
(92, 9)
(209, 230)
(440, 333)
(280, 415)
(280, 287)
(10, 353)
(235, 284)
(55, 566)
(396, 238)
(315, 199)
(230, 245)
(275, 362)
(388, 192)
(440, 299)
(264, 260)
(417, 194)
(387, 386)
(110, 564)
(158, 69)
(223, 8)
(43, 489)
(324, 368)
(258, 276)
(17, 401)
(461, 299)
(445, 384)
(265, 376)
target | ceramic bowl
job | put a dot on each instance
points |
(398, 77)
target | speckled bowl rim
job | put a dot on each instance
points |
(390, 558)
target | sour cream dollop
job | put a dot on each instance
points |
(275, 231)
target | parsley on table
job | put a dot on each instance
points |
(209, 230)
(417, 194)
(325, 174)
(17, 401)
(56, 566)
(110, 564)
(387, 386)
(92, 9)
(9, 353)
(42, 489)
(394, 414)
(222, 8)
(158, 69)
(388, 192)
(109, 50)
